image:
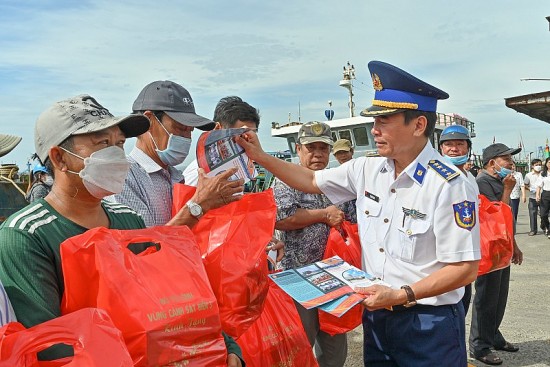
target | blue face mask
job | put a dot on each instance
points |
(457, 161)
(503, 171)
(176, 150)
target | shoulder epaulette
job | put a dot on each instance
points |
(443, 170)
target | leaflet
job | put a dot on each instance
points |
(327, 284)
(217, 152)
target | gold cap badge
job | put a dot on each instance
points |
(376, 83)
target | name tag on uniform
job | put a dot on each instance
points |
(372, 196)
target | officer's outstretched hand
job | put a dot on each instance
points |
(251, 144)
(379, 296)
(334, 216)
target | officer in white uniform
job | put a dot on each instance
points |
(417, 219)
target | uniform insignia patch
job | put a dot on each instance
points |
(419, 173)
(413, 213)
(443, 170)
(465, 214)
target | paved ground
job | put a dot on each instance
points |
(527, 319)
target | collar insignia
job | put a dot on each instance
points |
(419, 173)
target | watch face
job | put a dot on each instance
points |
(195, 209)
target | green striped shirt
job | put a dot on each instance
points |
(30, 262)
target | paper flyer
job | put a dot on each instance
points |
(217, 152)
(326, 284)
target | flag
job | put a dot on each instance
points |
(546, 150)
(494, 139)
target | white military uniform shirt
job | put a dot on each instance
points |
(412, 225)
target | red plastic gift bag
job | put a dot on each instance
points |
(233, 240)
(496, 229)
(277, 338)
(346, 244)
(180, 196)
(161, 300)
(95, 340)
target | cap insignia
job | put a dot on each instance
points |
(317, 129)
(376, 83)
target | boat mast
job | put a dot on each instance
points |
(349, 75)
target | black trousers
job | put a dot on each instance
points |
(533, 213)
(488, 311)
(544, 209)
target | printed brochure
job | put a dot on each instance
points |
(217, 152)
(326, 284)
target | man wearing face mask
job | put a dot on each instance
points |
(532, 181)
(496, 182)
(81, 144)
(41, 185)
(148, 188)
(455, 146)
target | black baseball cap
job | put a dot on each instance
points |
(172, 99)
(497, 150)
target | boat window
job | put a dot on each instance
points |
(345, 134)
(291, 144)
(334, 137)
(361, 137)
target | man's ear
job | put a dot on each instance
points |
(57, 158)
(151, 117)
(218, 126)
(420, 125)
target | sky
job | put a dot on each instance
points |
(283, 57)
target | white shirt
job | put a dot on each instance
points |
(516, 191)
(191, 174)
(403, 248)
(533, 180)
(545, 183)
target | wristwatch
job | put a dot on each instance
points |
(195, 209)
(411, 298)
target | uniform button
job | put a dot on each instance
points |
(366, 212)
(392, 191)
(381, 249)
(386, 220)
(409, 232)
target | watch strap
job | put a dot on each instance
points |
(411, 298)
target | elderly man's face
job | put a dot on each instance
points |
(343, 156)
(314, 156)
(505, 161)
(394, 138)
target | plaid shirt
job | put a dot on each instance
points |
(148, 189)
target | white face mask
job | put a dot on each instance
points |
(537, 168)
(104, 171)
(176, 150)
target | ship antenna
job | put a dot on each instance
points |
(346, 82)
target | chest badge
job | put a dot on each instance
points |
(413, 213)
(465, 214)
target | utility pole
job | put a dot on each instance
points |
(349, 75)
